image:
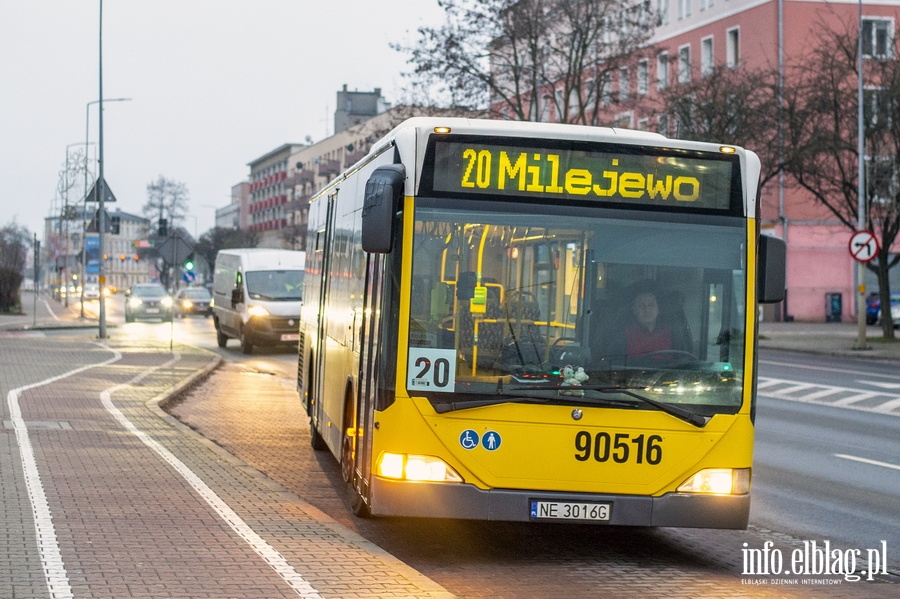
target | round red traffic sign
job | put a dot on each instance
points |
(863, 246)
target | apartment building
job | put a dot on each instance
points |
(692, 37)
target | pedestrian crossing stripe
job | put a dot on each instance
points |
(882, 402)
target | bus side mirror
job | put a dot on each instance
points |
(772, 261)
(383, 192)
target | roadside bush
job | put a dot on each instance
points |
(13, 251)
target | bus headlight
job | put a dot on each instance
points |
(718, 481)
(424, 468)
(257, 311)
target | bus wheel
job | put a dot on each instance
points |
(357, 503)
(315, 439)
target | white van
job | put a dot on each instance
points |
(257, 295)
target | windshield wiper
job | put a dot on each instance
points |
(697, 420)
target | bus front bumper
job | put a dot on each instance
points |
(442, 500)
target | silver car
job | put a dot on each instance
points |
(146, 301)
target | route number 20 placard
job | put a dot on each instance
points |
(431, 370)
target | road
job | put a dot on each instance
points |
(827, 460)
(476, 559)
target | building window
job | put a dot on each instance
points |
(877, 109)
(643, 77)
(662, 124)
(623, 84)
(624, 120)
(733, 47)
(684, 9)
(662, 70)
(643, 124)
(605, 89)
(662, 12)
(706, 56)
(877, 38)
(684, 64)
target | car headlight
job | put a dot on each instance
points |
(166, 302)
(403, 466)
(187, 304)
(134, 302)
(718, 481)
(257, 311)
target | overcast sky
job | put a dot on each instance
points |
(214, 84)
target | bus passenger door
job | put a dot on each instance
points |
(323, 245)
(368, 372)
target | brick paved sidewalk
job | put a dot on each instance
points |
(139, 505)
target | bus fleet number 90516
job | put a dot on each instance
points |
(621, 447)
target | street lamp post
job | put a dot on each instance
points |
(860, 191)
(87, 129)
(101, 222)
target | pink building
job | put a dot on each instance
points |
(699, 34)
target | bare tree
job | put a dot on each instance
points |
(166, 199)
(825, 158)
(218, 238)
(524, 59)
(732, 106)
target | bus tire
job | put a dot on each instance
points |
(358, 505)
(315, 438)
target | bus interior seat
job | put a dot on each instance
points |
(490, 327)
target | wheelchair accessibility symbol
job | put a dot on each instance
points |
(469, 439)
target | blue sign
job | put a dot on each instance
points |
(469, 439)
(189, 276)
(92, 255)
(491, 440)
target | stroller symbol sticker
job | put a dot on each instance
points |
(469, 439)
(491, 440)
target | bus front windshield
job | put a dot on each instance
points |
(600, 308)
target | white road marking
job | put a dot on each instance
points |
(50, 310)
(48, 547)
(867, 461)
(890, 386)
(840, 397)
(829, 369)
(237, 524)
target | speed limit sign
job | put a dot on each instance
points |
(863, 246)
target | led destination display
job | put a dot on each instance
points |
(574, 174)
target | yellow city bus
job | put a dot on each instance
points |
(538, 322)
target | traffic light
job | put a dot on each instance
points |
(163, 227)
(189, 263)
(115, 224)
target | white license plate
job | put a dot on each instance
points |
(570, 510)
(291, 337)
(152, 310)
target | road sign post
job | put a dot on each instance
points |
(863, 248)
